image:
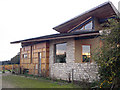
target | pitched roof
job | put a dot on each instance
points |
(102, 11)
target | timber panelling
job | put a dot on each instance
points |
(33, 66)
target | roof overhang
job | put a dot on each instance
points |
(58, 36)
(102, 11)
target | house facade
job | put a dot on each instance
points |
(68, 55)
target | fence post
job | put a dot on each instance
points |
(72, 75)
(34, 70)
(12, 69)
(20, 69)
(69, 77)
(3, 68)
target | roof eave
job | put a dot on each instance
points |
(55, 36)
(15, 42)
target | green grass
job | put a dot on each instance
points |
(23, 82)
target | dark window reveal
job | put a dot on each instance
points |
(60, 53)
(85, 53)
(31, 53)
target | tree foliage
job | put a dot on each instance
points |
(108, 56)
(16, 59)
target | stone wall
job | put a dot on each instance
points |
(82, 71)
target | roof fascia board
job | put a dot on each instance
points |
(81, 35)
(53, 36)
(15, 42)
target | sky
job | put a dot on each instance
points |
(23, 19)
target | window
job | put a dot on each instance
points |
(36, 66)
(24, 55)
(85, 53)
(88, 26)
(60, 53)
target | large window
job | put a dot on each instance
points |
(85, 53)
(60, 53)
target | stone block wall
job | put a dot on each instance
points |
(81, 71)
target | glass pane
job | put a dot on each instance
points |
(82, 28)
(60, 49)
(40, 55)
(86, 53)
(88, 26)
(60, 53)
(24, 55)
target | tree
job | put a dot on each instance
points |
(108, 56)
(15, 59)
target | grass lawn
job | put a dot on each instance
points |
(23, 82)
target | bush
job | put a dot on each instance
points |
(108, 56)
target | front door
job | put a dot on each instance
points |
(39, 58)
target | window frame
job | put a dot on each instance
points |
(82, 55)
(55, 51)
(24, 56)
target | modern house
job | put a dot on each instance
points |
(69, 53)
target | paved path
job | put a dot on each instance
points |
(4, 83)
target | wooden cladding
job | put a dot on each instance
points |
(26, 49)
(9, 67)
(32, 61)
